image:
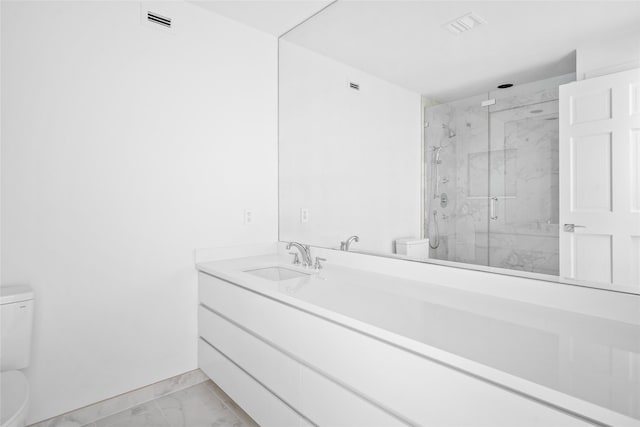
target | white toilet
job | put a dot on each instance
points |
(16, 312)
(413, 248)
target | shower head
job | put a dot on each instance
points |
(451, 132)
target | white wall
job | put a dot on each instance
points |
(608, 56)
(351, 157)
(124, 147)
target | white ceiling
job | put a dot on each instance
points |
(273, 17)
(404, 41)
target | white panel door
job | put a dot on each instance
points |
(600, 180)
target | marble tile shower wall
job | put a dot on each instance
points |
(508, 151)
(471, 217)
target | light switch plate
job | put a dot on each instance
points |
(248, 216)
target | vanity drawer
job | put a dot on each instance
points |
(253, 311)
(316, 397)
(278, 373)
(420, 390)
(257, 401)
(423, 391)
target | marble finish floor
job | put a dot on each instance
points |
(202, 405)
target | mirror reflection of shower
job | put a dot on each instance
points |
(433, 229)
(491, 188)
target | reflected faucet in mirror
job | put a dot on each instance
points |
(305, 253)
(344, 246)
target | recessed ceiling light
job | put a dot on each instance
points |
(464, 23)
(505, 86)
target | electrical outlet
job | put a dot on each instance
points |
(304, 215)
(248, 216)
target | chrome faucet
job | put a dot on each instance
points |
(305, 253)
(344, 246)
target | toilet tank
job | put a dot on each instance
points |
(16, 320)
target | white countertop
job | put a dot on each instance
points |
(581, 363)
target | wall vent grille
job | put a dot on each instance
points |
(354, 86)
(158, 19)
(464, 23)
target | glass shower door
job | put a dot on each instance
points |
(523, 182)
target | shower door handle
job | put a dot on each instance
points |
(492, 209)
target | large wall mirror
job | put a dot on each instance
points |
(493, 135)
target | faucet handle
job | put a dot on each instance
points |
(317, 265)
(296, 260)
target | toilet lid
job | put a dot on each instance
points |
(14, 393)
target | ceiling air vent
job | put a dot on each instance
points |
(158, 19)
(464, 23)
(354, 86)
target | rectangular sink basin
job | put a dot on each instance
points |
(276, 273)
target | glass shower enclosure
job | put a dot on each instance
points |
(491, 178)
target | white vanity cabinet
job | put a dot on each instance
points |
(288, 367)
(300, 394)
